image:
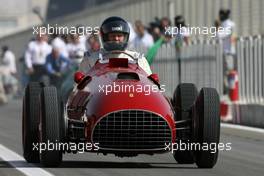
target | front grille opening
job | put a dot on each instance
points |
(132, 129)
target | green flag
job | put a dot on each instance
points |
(153, 50)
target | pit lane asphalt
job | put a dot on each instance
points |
(245, 158)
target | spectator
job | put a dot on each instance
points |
(158, 36)
(158, 28)
(143, 39)
(155, 30)
(94, 43)
(227, 36)
(82, 35)
(25, 78)
(56, 66)
(35, 57)
(76, 48)
(9, 60)
(183, 36)
(59, 42)
(8, 69)
(92, 53)
(228, 40)
(164, 23)
(66, 39)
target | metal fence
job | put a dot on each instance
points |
(250, 55)
(201, 63)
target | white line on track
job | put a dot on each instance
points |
(240, 127)
(15, 160)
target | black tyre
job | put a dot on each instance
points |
(30, 121)
(51, 125)
(63, 121)
(207, 126)
(183, 100)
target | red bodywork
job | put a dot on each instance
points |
(91, 104)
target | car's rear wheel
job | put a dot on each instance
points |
(30, 121)
(50, 127)
(183, 100)
(206, 127)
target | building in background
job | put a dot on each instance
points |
(18, 15)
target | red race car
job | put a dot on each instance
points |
(117, 108)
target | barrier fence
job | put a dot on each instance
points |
(250, 52)
(202, 63)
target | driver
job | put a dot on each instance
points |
(115, 35)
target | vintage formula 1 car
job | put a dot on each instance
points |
(124, 123)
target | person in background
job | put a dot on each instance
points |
(164, 23)
(66, 39)
(182, 37)
(9, 60)
(75, 48)
(227, 36)
(35, 57)
(8, 67)
(92, 53)
(82, 35)
(167, 38)
(56, 66)
(155, 29)
(143, 39)
(157, 33)
(59, 42)
(94, 43)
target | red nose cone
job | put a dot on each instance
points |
(78, 76)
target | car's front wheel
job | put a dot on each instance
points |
(206, 127)
(183, 100)
(50, 127)
(30, 121)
